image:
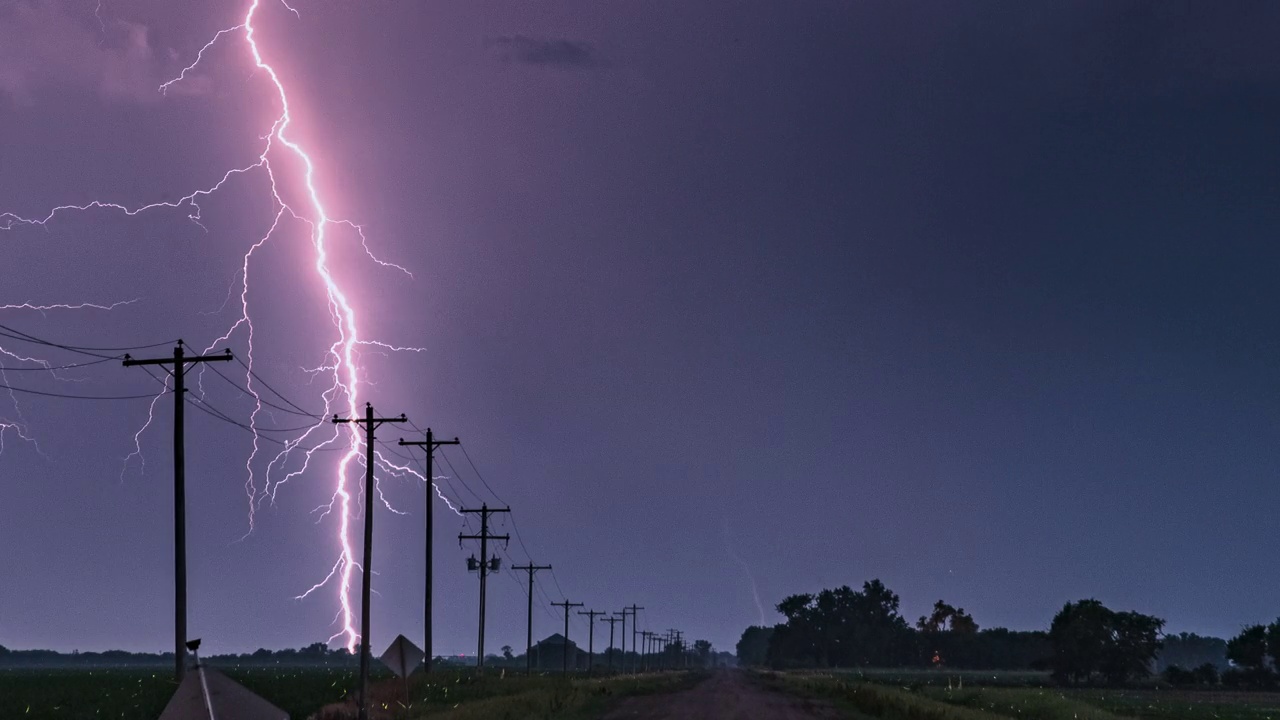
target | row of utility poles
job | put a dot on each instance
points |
(177, 367)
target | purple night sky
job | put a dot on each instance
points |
(978, 299)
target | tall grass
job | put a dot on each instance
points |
(1020, 703)
(864, 698)
(466, 695)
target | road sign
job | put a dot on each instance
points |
(402, 657)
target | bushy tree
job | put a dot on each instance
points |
(1089, 638)
(753, 646)
(702, 648)
(949, 634)
(842, 627)
(1249, 649)
(1253, 653)
(1134, 642)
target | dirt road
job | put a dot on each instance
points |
(727, 695)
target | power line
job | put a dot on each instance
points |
(67, 396)
(82, 349)
(48, 368)
(477, 472)
(474, 494)
(277, 393)
(268, 403)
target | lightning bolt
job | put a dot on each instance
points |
(341, 360)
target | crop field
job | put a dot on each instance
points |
(1011, 696)
(141, 694)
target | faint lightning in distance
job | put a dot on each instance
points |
(341, 361)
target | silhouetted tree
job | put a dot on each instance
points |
(948, 635)
(841, 627)
(753, 646)
(1251, 651)
(1088, 638)
(1249, 648)
(702, 648)
(1134, 642)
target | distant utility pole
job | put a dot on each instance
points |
(177, 369)
(635, 622)
(671, 639)
(430, 444)
(612, 621)
(591, 637)
(528, 643)
(684, 657)
(566, 605)
(485, 565)
(622, 662)
(368, 423)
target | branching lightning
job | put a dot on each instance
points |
(341, 361)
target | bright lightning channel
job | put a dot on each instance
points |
(341, 358)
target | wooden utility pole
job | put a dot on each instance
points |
(485, 565)
(528, 641)
(612, 621)
(591, 636)
(566, 605)
(177, 369)
(635, 630)
(368, 423)
(430, 444)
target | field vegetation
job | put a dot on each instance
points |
(328, 693)
(932, 695)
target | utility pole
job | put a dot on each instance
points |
(612, 621)
(648, 647)
(177, 369)
(485, 565)
(566, 605)
(430, 444)
(368, 423)
(635, 622)
(684, 657)
(591, 637)
(528, 643)
(671, 641)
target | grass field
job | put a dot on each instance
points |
(141, 694)
(980, 696)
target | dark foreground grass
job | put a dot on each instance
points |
(574, 698)
(141, 694)
(886, 695)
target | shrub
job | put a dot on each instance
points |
(1175, 675)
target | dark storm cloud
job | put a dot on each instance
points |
(557, 52)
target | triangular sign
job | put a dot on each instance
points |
(207, 694)
(402, 657)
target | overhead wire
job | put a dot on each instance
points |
(69, 396)
(16, 334)
(49, 368)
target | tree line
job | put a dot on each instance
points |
(1085, 642)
